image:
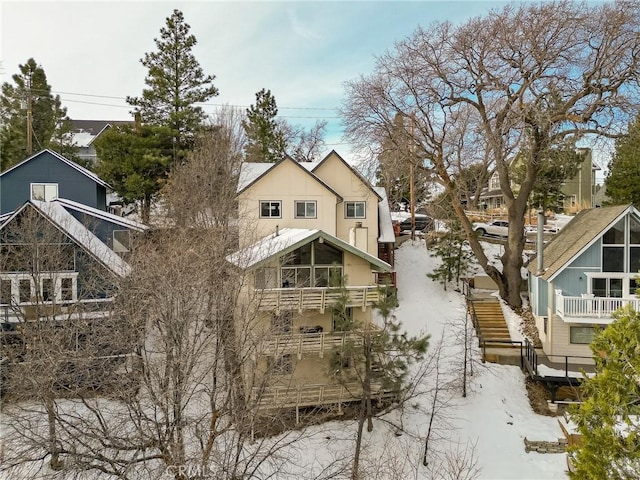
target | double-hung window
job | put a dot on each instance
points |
(44, 191)
(305, 209)
(270, 209)
(355, 209)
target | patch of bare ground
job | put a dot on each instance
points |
(538, 398)
(529, 328)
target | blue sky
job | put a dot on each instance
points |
(302, 51)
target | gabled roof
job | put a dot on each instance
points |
(86, 131)
(578, 235)
(289, 239)
(385, 226)
(94, 212)
(355, 172)
(74, 165)
(67, 224)
(250, 173)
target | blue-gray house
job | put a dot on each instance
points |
(590, 269)
(48, 175)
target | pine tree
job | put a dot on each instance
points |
(624, 169)
(455, 255)
(135, 162)
(265, 138)
(176, 83)
(375, 357)
(608, 418)
(51, 128)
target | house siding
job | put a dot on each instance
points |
(46, 168)
(352, 189)
(562, 347)
(286, 183)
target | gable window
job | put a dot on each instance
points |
(315, 264)
(121, 241)
(355, 209)
(305, 209)
(613, 248)
(270, 209)
(44, 191)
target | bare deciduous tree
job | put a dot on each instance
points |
(525, 76)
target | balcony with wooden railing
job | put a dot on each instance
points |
(314, 343)
(315, 298)
(587, 308)
(313, 394)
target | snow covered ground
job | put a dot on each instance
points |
(494, 418)
(482, 433)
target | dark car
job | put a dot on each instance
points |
(423, 224)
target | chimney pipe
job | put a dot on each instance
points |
(277, 231)
(540, 242)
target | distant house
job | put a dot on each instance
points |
(84, 134)
(590, 269)
(579, 191)
(305, 229)
(48, 175)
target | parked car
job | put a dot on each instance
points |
(497, 228)
(423, 223)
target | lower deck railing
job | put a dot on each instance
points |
(314, 394)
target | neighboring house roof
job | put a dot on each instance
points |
(79, 168)
(94, 212)
(84, 132)
(250, 173)
(315, 166)
(385, 226)
(576, 236)
(289, 239)
(68, 224)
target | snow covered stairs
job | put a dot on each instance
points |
(491, 328)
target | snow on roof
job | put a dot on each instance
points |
(84, 237)
(74, 165)
(386, 232)
(270, 246)
(82, 139)
(94, 212)
(288, 239)
(249, 172)
(309, 165)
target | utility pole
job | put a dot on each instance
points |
(29, 118)
(412, 194)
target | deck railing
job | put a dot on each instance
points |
(314, 394)
(592, 307)
(311, 342)
(315, 298)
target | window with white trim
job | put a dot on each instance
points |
(355, 209)
(20, 288)
(271, 209)
(44, 191)
(305, 208)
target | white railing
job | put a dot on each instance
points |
(308, 395)
(592, 307)
(310, 342)
(315, 298)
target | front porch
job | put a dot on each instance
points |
(591, 309)
(316, 298)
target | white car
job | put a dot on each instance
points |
(496, 228)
